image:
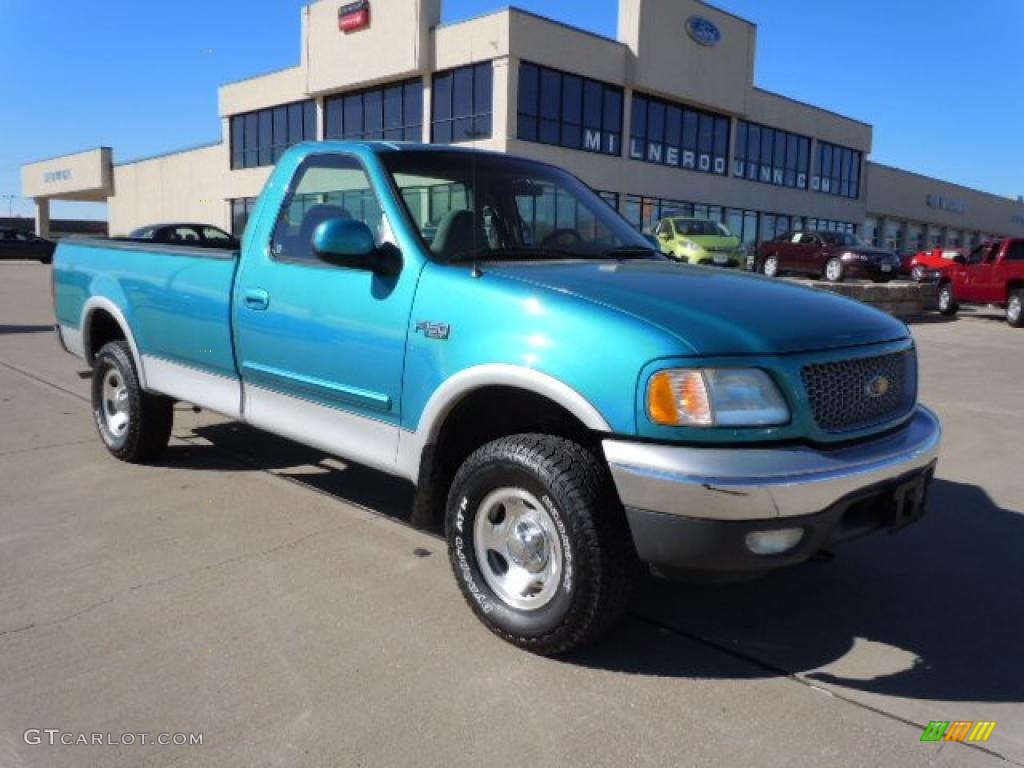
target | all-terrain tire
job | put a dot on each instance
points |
(134, 425)
(576, 499)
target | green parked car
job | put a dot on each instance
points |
(699, 241)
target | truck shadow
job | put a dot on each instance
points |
(934, 613)
(938, 607)
(236, 446)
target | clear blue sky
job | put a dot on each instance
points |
(941, 80)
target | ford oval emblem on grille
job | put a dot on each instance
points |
(877, 387)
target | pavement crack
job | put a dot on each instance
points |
(46, 382)
(60, 620)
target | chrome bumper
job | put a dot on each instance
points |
(765, 483)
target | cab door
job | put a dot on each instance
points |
(321, 348)
(977, 274)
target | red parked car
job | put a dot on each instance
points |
(938, 259)
(993, 273)
(832, 255)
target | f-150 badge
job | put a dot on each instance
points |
(440, 331)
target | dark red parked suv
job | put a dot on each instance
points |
(832, 255)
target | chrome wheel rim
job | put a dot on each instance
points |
(114, 407)
(771, 266)
(917, 273)
(1013, 310)
(833, 270)
(518, 548)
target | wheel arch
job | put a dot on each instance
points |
(102, 322)
(453, 425)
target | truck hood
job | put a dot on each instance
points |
(713, 311)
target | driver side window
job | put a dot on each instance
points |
(327, 187)
(977, 255)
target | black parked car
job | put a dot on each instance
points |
(15, 244)
(195, 235)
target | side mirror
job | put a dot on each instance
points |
(348, 243)
(960, 259)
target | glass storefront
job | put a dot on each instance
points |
(871, 233)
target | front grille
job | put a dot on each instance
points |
(864, 392)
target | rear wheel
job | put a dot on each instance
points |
(539, 543)
(134, 425)
(770, 266)
(1014, 309)
(834, 271)
(947, 300)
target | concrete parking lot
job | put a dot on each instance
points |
(271, 599)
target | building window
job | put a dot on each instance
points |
(241, 210)
(830, 225)
(463, 101)
(670, 134)
(390, 113)
(872, 234)
(260, 138)
(570, 111)
(838, 171)
(771, 156)
(612, 198)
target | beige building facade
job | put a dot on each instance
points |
(665, 119)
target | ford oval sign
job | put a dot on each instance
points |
(703, 31)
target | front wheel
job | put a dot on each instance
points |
(539, 543)
(1014, 310)
(134, 425)
(947, 301)
(834, 271)
(770, 267)
(917, 273)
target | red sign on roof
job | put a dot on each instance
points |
(354, 16)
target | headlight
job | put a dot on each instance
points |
(715, 397)
(688, 245)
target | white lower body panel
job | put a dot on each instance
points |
(221, 394)
(347, 435)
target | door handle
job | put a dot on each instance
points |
(257, 299)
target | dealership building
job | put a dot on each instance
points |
(664, 120)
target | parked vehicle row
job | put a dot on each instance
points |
(570, 403)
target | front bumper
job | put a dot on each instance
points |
(871, 270)
(704, 258)
(692, 507)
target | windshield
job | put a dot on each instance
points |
(842, 238)
(701, 228)
(479, 206)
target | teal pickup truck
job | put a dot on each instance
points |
(568, 401)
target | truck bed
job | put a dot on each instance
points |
(176, 300)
